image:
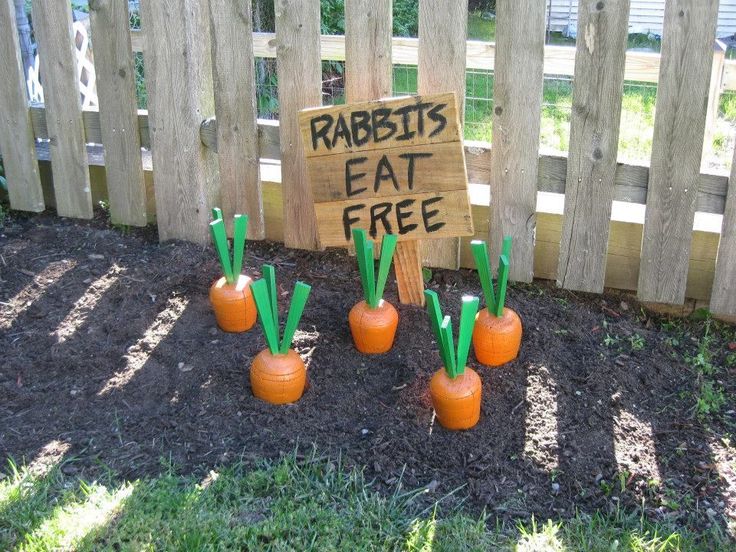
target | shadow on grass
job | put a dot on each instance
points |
(312, 503)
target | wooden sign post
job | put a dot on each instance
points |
(391, 166)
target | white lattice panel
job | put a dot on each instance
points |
(85, 70)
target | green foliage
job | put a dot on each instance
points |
(265, 294)
(453, 359)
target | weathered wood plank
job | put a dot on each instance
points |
(52, 23)
(118, 112)
(368, 69)
(517, 96)
(594, 129)
(299, 70)
(630, 183)
(442, 69)
(185, 175)
(723, 298)
(677, 146)
(233, 74)
(16, 130)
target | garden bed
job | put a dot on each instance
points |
(111, 356)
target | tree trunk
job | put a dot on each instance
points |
(24, 35)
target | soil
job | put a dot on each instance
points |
(111, 357)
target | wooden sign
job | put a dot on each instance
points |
(391, 166)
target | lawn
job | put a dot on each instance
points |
(309, 503)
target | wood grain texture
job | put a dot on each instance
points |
(443, 31)
(631, 181)
(118, 111)
(408, 267)
(299, 71)
(677, 146)
(517, 97)
(594, 130)
(368, 68)
(723, 298)
(16, 131)
(185, 175)
(233, 75)
(52, 23)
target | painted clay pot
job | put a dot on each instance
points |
(235, 309)
(497, 339)
(456, 401)
(278, 379)
(373, 329)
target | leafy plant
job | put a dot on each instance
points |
(265, 295)
(494, 302)
(453, 359)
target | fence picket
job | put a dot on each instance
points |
(52, 24)
(113, 60)
(233, 74)
(723, 297)
(180, 97)
(16, 132)
(677, 146)
(594, 129)
(299, 70)
(368, 68)
(517, 97)
(443, 31)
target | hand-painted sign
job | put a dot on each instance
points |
(391, 166)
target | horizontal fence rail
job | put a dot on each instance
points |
(558, 60)
(578, 217)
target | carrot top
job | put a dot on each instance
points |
(480, 253)
(453, 359)
(373, 286)
(265, 295)
(230, 269)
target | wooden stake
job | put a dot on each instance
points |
(408, 263)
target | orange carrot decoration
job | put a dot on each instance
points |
(497, 333)
(278, 374)
(373, 321)
(455, 389)
(231, 295)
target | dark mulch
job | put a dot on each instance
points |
(114, 352)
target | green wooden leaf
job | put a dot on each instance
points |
(503, 277)
(506, 248)
(216, 213)
(298, 301)
(240, 229)
(482, 263)
(449, 346)
(465, 333)
(370, 273)
(435, 321)
(269, 274)
(388, 245)
(262, 299)
(219, 237)
(359, 239)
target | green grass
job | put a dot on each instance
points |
(310, 504)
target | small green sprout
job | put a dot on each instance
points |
(230, 269)
(494, 302)
(373, 287)
(453, 359)
(264, 293)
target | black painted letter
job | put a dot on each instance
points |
(350, 177)
(426, 215)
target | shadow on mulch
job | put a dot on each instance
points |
(109, 346)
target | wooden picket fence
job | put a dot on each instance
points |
(203, 138)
